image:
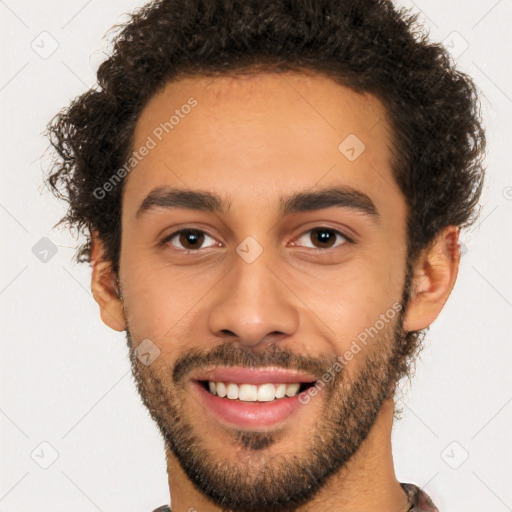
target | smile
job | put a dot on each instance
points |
(266, 392)
(251, 397)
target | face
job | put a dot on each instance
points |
(264, 245)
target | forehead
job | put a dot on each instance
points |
(255, 136)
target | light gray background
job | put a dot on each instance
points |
(65, 376)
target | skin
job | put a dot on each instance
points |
(250, 140)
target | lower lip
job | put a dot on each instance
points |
(248, 414)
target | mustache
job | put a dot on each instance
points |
(230, 354)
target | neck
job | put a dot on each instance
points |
(367, 482)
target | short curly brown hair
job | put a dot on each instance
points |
(367, 45)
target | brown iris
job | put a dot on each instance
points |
(191, 237)
(326, 237)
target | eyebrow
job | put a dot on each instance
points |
(165, 197)
(338, 196)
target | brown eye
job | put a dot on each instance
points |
(324, 238)
(188, 239)
(191, 239)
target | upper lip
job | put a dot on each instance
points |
(241, 375)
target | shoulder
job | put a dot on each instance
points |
(420, 499)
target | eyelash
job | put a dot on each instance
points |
(165, 241)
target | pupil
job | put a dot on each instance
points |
(324, 236)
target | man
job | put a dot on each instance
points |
(272, 195)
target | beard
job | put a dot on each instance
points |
(259, 480)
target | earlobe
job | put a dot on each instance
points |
(105, 289)
(435, 274)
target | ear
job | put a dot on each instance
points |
(434, 277)
(104, 287)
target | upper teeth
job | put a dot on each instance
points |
(253, 393)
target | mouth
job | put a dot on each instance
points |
(251, 397)
(246, 392)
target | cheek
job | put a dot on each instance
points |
(359, 298)
(161, 301)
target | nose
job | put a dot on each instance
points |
(253, 304)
